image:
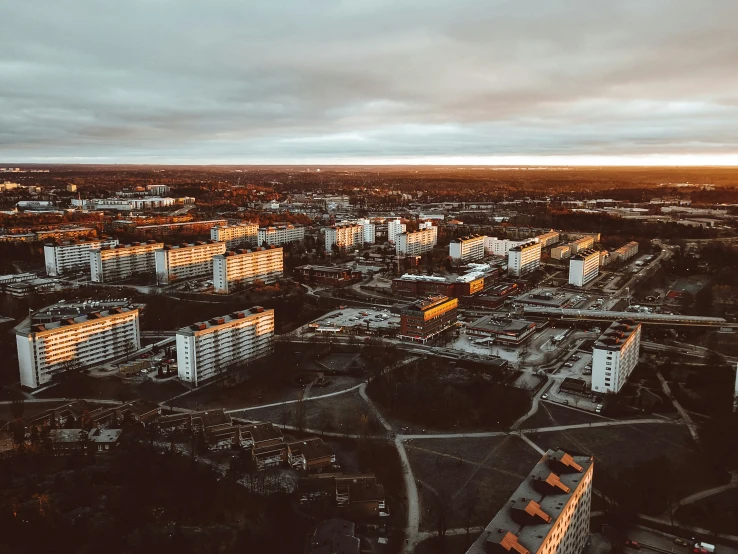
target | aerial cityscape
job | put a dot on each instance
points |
(361, 278)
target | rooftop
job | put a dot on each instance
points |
(223, 320)
(584, 254)
(501, 325)
(41, 327)
(616, 335)
(427, 303)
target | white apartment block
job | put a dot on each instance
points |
(72, 256)
(186, 261)
(344, 235)
(615, 355)
(209, 348)
(394, 228)
(500, 247)
(548, 513)
(124, 204)
(370, 231)
(548, 239)
(583, 243)
(584, 267)
(523, 258)
(123, 261)
(74, 343)
(467, 249)
(417, 242)
(281, 234)
(234, 270)
(244, 234)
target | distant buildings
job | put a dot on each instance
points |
(583, 243)
(467, 249)
(178, 228)
(325, 275)
(426, 318)
(243, 234)
(548, 239)
(232, 270)
(614, 356)
(281, 234)
(584, 266)
(123, 261)
(524, 258)
(547, 514)
(344, 235)
(129, 204)
(76, 342)
(207, 348)
(72, 256)
(417, 242)
(625, 252)
(480, 277)
(186, 260)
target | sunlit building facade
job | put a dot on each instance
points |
(72, 256)
(123, 261)
(243, 234)
(614, 356)
(234, 270)
(186, 261)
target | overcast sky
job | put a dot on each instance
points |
(369, 81)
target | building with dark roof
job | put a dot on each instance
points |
(614, 356)
(509, 331)
(426, 318)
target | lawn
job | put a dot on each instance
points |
(113, 388)
(717, 513)
(550, 414)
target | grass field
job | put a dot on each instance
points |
(550, 414)
(113, 388)
(717, 513)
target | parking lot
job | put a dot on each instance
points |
(366, 318)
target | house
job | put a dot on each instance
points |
(221, 437)
(360, 495)
(140, 411)
(311, 455)
(103, 440)
(258, 435)
(270, 456)
(173, 423)
(65, 442)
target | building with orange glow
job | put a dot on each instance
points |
(209, 348)
(122, 261)
(614, 356)
(547, 514)
(426, 318)
(75, 342)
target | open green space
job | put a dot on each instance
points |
(717, 513)
(550, 414)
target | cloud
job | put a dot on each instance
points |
(260, 82)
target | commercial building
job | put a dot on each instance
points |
(417, 242)
(547, 514)
(281, 234)
(72, 255)
(503, 330)
(394, 228)
(467, 249)
(123, 261)
(344, 235)
(233, 270)
(426, 318)
(523, 258)
(243, 234)
(548, 239)
(584, 266)
(45, 349)
(625, 252)
(206, 349)
(583, 243)
(186, 260)
(561, 252)
(324, 275)
(614, 356)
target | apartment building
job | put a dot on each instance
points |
(561, 252)
(467, 249)
(123, 261)
(499, 247)
(548, 239)
(243, 234)
(417, 242)
(369, 227)
(233, 270)
(186, 260)
(584, 266)
(179, 228)
(614, 356)
(208, 348)
(424, 319)
(394, 228)
(524, 258)
(583, 243)
(72, 255)
(547, 514)
(625, 252)
(344, 235)
(45, 349)
(281, 234)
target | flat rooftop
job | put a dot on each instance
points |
(64, 322)
(222, 320)
(615, 335)
(494, 324)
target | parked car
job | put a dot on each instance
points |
(632, 544)
(565, 402)
(544, 396)
(598, 408)
(568, 364)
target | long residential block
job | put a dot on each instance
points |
(186, 261)
(77, 342)
(234, 270)
(243, 234)
(281, 234)
(123, 261)
(72, 256)
(209, 348)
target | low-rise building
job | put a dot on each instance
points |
(311, 455)
(123, 261)
(614, 356)
(186, 261)
(425, 319)
(584, 266)
(234, 270)
(67, 442)
(503, 330)
(325, 275)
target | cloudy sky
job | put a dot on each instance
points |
(369, 81)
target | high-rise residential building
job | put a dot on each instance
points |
(548, 239)
(547, 514)
(241, 235)
(207, 349)
(344, 235)
(186, 261)
(369, 231)
(234, 270)
(467, 249)
(281, 234)
(417, 242)
(584, 266)
(426, 318)
(614, 356)
(583, 243)
(524, 258)
(394, 228)
(72, 255)
(123, 261)
(46, 349)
